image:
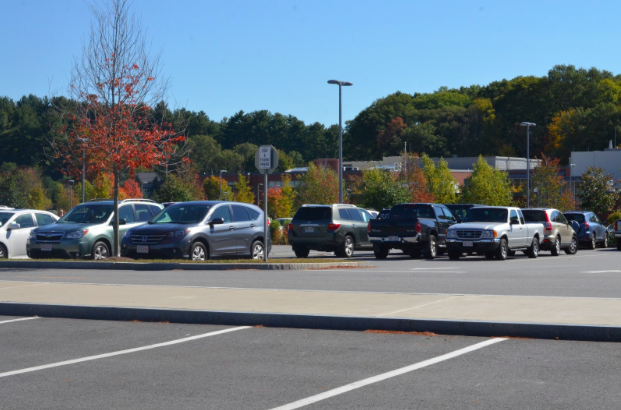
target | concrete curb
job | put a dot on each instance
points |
(446, 327)
(175, 266)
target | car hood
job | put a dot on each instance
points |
(155, 229)
(65, 227)
(478, 225)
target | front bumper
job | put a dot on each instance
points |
(481, 245)
(168, 249)
(77, 248)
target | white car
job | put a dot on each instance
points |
(15, 227)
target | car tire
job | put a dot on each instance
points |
(199, 252)
(3, 252)
(593, 243)
(556, 249)
(501, 252)
(380, 252)
(100, 251)
(346, 250)
(573, 247)
(454, 255)
(301, 252)
(257, 250)
(533, 249)
(431, 248)
(618, 244)
(605, 241)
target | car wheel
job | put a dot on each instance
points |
(380, 252)
(619, 244)
(605, 241)
(3, 252)
(257, 250)
(556, 250)
(301, 252)
(454, 255)
(431, 250)
(198, 252)
(593, 243)
(573, 247)
(100, 251)
(347, 248)
(501, 252)
(533, 249)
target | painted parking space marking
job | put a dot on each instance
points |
(19, 320)
(120, 352)
(603, 271)
(384, 376)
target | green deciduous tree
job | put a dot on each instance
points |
(211, 187)
(551, 192)
(440, 182)
(595, 192)
(176, 188)
(318, 186)
(382, 189)
(487, 186)
(243, 191)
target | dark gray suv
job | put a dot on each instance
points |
(199, 230)
(338, 228)
(589, 229)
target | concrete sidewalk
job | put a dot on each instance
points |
(524, 316)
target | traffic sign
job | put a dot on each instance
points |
(266, 158)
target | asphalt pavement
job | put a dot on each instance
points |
(80, 364)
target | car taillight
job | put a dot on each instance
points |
(547, 224)
(333, 227)
(369, 227)
(586, 225)
(418, 228)
(290, 227)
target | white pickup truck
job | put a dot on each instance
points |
(495, 231)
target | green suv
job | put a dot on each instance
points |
(86, 231)
(338, 228)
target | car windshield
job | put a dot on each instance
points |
(310, 213)
(534, 216)
(88, 214)
(575, 217)
(4, 217)
(181, 214)
(411, 211)
(486, 215)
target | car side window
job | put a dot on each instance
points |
(24, 221)
(562, 219)
(127, 212)
(222, 212)
(344, 215)
(254, 214)
(521, 215)
(594, 219)
(439, 213)
(554, 217)
(43, 219)
(355, 214)
(448, 215)
(143, 213)
(513, 216)
(240, 213)
(366, 217)
(154, 209)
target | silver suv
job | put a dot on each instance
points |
(557, 231)
(86, 231)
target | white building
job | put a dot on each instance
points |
(609, 160)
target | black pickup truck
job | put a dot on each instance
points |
(414, 228)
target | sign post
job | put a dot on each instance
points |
(266, 161)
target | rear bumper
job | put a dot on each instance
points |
(329, 242)
(483, 245)
(400, 242)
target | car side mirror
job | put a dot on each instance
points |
(217, 221)
(122, 221)
(13, 225)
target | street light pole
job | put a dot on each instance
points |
(221, 171)
(340, 84)
(528, 125)
(71, 182)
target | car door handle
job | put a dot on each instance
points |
(252, 225)
(231, 228)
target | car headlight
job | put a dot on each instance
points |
(178, 234)
(127, 234)
(33, 234)
(451, 233)
(489, 234)
(76, 234)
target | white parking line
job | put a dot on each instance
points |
(385, 376)
(18, 320)
(603, 271)
(120, 352)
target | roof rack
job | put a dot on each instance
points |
(99, 199)
(139, 200)
(5, 207)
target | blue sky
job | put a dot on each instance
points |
(226, 56)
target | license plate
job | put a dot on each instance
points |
(393, 238)
(468, 243)
(309, 229)
(46, 247)
(142, 249)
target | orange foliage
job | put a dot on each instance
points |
(130, 189)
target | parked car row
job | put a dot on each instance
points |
(196, 230)
(429, 230)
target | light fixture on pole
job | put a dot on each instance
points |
(341, 84)
(221, 171)
(83, 140)
(528, 125)
(71, 182)
(536, 192)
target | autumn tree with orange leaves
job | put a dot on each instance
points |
(116, 82)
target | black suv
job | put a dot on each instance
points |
(199, 230)
(335, 228)
(588, 227)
